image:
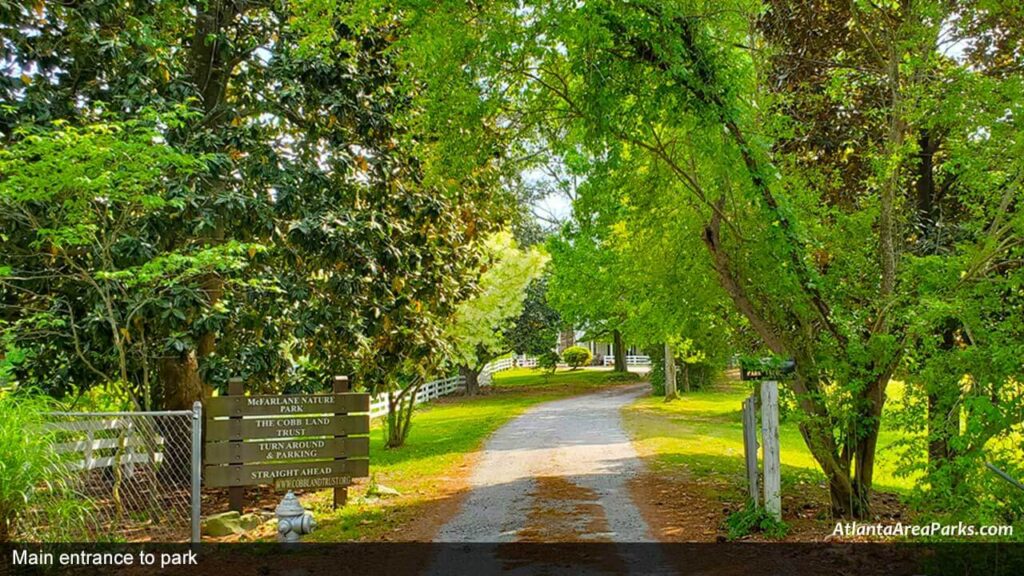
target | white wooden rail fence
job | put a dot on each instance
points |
(104, 438)
(505, 364)
(445, 386)
(427, 392)
(631, 360)
(137, 471)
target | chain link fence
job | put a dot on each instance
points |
(131, 478)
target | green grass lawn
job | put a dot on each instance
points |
(443, 435)
(702, 433)
(696, 444)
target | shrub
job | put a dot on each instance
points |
(701, 374)
(754, 519)
(576, 356)
(657, 374)
(33, 477)
(548, 361)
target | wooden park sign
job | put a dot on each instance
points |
(290, 441)
(289, 427)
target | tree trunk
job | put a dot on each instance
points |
(686, 377)
(212, 62)
(399, 417)
(472, 377)
(849, 493)
(943, 409)
(618, 349)
(943, 427)
(848, 500)
(671, 392)
(180, 382)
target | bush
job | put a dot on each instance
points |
(33, 477)
(701, 374)
(753, 519)
(576, 356)
(548, 361)
(657, 374)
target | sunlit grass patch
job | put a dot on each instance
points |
(703, 433)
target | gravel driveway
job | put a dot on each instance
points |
(558, 472)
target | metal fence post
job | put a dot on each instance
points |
(197, 462)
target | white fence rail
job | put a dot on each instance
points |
(505, 364)
(631, 360)
(127, 444)
(499, 366)
(427, 392)
(437, 388)
(136, 473)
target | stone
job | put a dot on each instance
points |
(224, 524)
(382, 491)
(250, 521)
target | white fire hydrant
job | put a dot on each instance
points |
(293, 522)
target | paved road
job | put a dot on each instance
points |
(557, 473)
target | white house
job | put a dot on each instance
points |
(602, 349)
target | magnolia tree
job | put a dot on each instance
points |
(481, 326)
(301, 218)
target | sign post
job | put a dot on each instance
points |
(341, 386)
(750, 446)
(768, 371)
(236, 494)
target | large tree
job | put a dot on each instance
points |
(814, 258)
(75, 204)
(535, 332)
(361, 240)
(481, 325)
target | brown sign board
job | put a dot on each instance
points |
(282, 473)
(295, 449)
(288, 404)
(286, 427)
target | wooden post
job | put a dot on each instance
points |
(770, 438)
(750, 446)
(341, 385)
(236, 494)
